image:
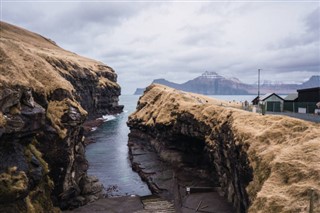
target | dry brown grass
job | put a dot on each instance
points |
(78, 106)
(284, 152)
(2, 120)
(104, 82)
(31, 60)
(55, 110)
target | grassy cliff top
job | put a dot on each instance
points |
(284, 152)
(31, 60)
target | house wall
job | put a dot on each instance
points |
(274, 98)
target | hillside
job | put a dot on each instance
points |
(46, 93)
(262, 163)
(30, 60)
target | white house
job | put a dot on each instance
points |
(272, 102)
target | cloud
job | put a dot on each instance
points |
(70, 24)
(178, 41)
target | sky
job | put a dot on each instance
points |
(179, 40)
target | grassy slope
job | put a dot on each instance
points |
(30, 60)
(284, 152)
(27, 58)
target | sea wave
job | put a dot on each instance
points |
(106, 118)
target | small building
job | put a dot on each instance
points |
(271, 101)
(307, 100)
(290, 102)
(309, 95)
(255, 101)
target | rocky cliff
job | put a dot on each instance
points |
(261, 163)
(46, 93)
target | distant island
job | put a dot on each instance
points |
(211, 83)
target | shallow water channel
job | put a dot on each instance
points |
(109, 158)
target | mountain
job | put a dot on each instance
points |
(314, 81)
(211, 83)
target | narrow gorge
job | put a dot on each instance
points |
(257, 163)
(46, 94)
(178, 141)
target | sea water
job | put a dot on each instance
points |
(108, 157)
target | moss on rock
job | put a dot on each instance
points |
(13, 185)
(2, 120)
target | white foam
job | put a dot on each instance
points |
(94, 129)
(106, 118)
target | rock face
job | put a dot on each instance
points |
(261, 163)
(46, 93)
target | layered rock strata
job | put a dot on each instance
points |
(46, 93)
(261, 163)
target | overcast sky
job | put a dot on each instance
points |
(180, 40)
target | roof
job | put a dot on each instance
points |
(262, 98)
(291, 97)
(266, 96)
(309, 89)
(256, 98)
